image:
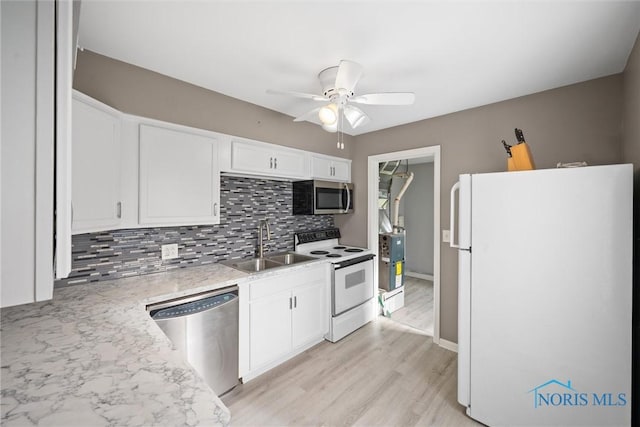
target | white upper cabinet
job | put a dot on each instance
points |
(330, 168)
(96, 203)
(179, 177)
(257, 158)
(133, 172)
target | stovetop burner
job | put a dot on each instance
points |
(324, 244)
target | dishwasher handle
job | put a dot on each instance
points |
(193, 304)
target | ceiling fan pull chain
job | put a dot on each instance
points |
(342, 134)
(340, 130)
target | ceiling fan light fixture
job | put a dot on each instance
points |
(338, 87)
(328, 114)
(355, 117)
(331, 128)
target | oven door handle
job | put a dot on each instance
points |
(353, 261)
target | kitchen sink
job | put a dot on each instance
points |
(256, 264)
(289, 258)
(271, 261)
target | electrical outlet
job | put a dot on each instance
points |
(169, 251)
(446, 236)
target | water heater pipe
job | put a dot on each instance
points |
(396, 201)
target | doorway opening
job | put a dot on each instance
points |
(403, 231)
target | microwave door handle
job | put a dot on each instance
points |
(346, 208)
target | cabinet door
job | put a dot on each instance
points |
(289, 163)
(266, 160)
(330, 169)
(341, 170)
(270, 329)
(321, 167)
(179, 178)
(95, 180)
(310, 312)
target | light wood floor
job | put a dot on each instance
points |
(418, 305)
(384, 374)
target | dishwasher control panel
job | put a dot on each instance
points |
(193, 307)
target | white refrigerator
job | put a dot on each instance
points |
(545, 295)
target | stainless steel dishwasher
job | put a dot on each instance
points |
(204, 327)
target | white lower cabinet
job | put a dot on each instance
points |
(281, 316)
(309, 318)
(269, 328)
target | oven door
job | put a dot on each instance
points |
(352, 283)
(333, 197)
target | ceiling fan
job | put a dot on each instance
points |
(338, 94)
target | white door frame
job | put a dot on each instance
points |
(372, 224)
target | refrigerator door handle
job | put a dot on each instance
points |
(452, 216)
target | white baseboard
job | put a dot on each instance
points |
(419, 275)
(452, 346)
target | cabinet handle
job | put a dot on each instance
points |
(119, 209)
(72, 213)
(295, 302)
(215, 209)
(270, 162)
(275, 163)
(290, 303)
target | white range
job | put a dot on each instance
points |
(352, 287)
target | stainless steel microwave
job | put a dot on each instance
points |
(315, 197)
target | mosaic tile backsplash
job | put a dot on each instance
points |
(243, 203)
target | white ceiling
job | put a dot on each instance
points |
(453, 55)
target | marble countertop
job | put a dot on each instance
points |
(92, 356)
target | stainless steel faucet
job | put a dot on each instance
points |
(264, 223)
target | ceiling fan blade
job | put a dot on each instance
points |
(389, 98)
(348, 74)
(355, 116)
(307, 115)
(298, 94)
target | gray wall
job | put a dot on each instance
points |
(416, 208)
(138, 91)
(418, 217)
(572, 123)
